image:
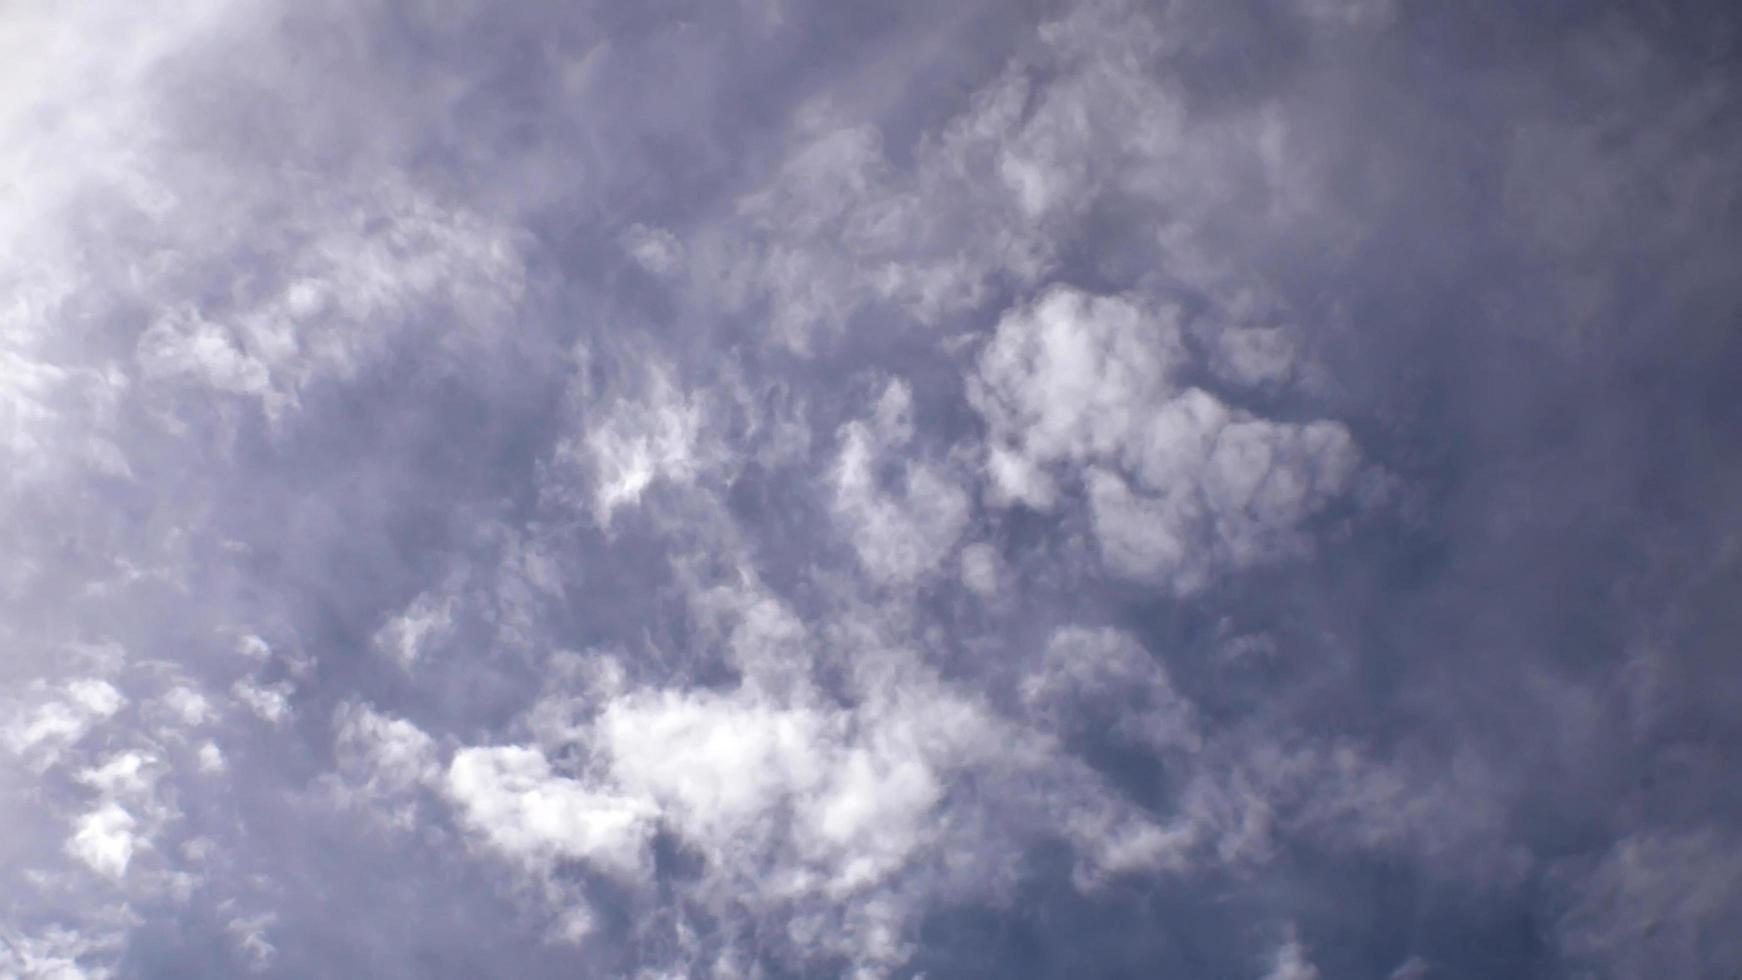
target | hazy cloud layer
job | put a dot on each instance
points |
(780, 489)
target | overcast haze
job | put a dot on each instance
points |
(803, 489)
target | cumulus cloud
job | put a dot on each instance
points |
(1180, 486)
(524, 809)
(270, 702)
(104, 839)
(58, 722)
(846, 819)
(189, 705)
(792, 804)
(829, 489)
(719, 764)
(903, 531)
(394, 748)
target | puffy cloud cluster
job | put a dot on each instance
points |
(1181, 487)
(838, 823)
(906, 530)
(1145, 489)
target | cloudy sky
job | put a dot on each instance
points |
(793, 488)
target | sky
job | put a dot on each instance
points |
(786, 488)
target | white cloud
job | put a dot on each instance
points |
(59, 723)
(391, 754)
(1291, 963)
(899, 533)
(254, 648)
(836, 228)
(633, 441)
(129, 815)
(336, 266)
(1145, 537)
(355, 270)
(55, 953)
(270, 702)
(881, 805)
(714, 764)
(994, 190)
(835, 800)
(73, 103)
(27, 388)
(654, 249)
(1073, 376)
(188, 705)
(1181, 488)
(405, 636)
(833, 750)
(249, 934)
(573, 925)
(1115, 840)
(211, 758)
(98, 697)
(831, 817)
(105, 839)
(126, 774)
(511, 796)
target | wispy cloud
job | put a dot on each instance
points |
(752, 489)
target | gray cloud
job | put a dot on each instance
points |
(766, 489)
